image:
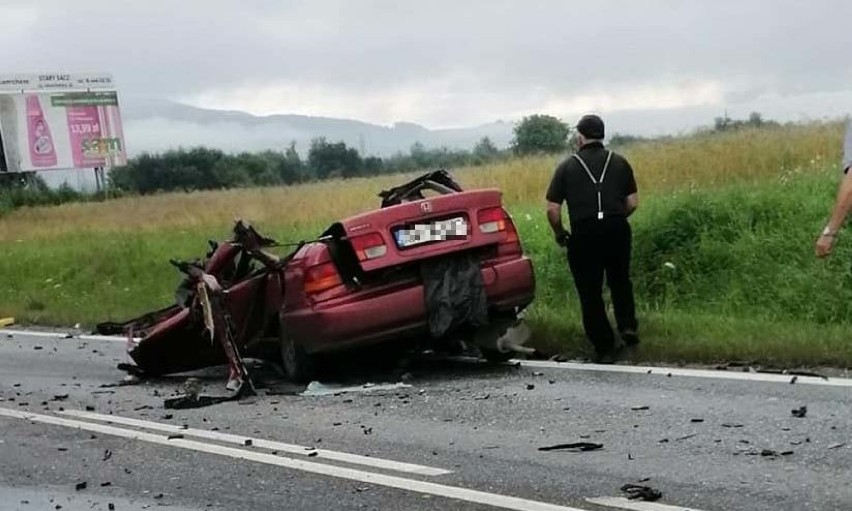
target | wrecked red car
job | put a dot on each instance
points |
(434, 263)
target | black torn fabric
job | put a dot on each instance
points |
(455, 294)
(578, 446)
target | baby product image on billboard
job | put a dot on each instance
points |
(42, 152)
(61, 130)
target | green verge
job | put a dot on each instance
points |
(745, 283)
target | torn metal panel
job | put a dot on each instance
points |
(222, 305)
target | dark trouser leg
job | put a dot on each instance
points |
(617, 262)
(588, 270)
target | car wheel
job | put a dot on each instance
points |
(298, 365)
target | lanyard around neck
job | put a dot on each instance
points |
(598, 184)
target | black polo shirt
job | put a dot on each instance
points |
(572, 184)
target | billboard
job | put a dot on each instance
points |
(55, 126)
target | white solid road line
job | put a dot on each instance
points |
(694, 373)
(635, 505)
(263, 444)
(573, 366)
(439, 490)
(64, 335)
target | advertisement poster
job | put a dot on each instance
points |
(61, 130)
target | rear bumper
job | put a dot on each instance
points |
(370, 318)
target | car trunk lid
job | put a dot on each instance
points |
(431, 227)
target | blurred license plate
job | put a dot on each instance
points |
(440, 230)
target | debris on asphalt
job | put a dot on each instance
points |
(800, 412)
(81, 486)
(530, 386)
(538, 373)
(248, 442)
(90, 408)
(696, 420)
(639, 408)
(107, 454)
(636, 491)
(105, 484)
(174, 437)
(794, 379)
(482, 397)
(579, 446)
(835, 446)
(316, 388)
(185, 402)
(60, 397)
(687, 437)
(731, 425)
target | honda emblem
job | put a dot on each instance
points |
(426, 207)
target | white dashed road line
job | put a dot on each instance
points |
(354, 459)
(413, 485)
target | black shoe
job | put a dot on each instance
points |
(606, 357)
(630, 338)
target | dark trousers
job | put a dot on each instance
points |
(597, 248)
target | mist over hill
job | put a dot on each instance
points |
(157, 125)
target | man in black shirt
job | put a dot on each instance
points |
(600, 191)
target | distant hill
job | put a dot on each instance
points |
(158, 125)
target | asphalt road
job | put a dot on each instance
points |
(462, 435)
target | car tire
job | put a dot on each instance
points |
(299, 366)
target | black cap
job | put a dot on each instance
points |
(591, 126)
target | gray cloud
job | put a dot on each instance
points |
(440, 62)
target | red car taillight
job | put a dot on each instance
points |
(369, 246)
(494, 220)
(321, 277)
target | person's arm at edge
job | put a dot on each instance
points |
(842, 205)
(554, 218)
(554, 207)
(631, 202)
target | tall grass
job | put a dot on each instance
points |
(710, 160)
(735, 213)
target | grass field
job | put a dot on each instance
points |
(735, 213)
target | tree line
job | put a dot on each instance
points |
(202, 168)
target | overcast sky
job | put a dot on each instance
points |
(449, 63)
